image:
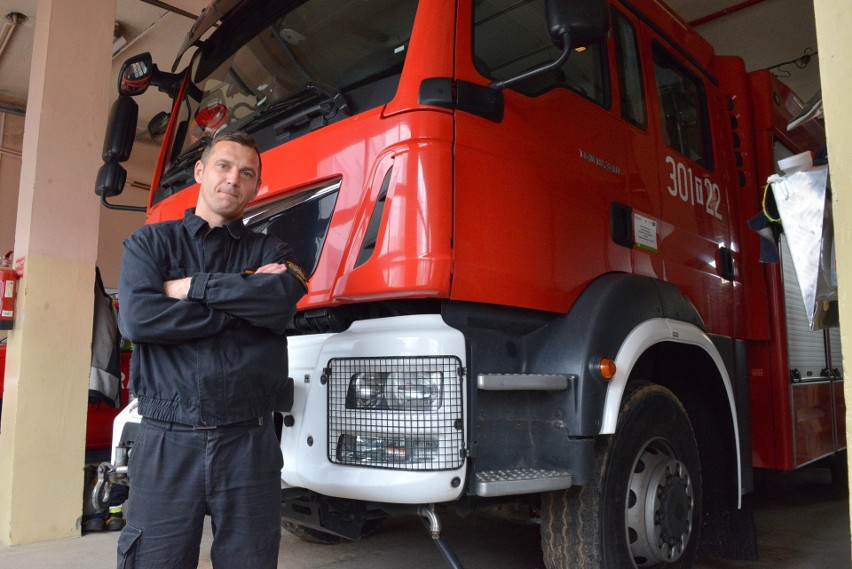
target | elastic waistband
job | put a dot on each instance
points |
(172, 426)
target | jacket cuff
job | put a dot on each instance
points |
(198, 287)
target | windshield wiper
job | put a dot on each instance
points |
(264, 114)
(311, 100)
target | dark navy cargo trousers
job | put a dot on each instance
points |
(178, 475)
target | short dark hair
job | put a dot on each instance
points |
(238, 136)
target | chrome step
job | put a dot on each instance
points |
(520, 481)
(522, 382)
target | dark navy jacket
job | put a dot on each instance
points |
(220, 356)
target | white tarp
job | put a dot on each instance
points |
(806, 219)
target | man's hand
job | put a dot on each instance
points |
(178, 288)
(273, 268)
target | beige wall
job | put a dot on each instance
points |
(114, 225)
(833, 20)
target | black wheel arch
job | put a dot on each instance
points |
(515, 341)
(597, 325)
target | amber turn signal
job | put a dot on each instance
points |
(604, 367)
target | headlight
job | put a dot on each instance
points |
(403, 413)
(395, 390)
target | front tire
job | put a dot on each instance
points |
(642, 506)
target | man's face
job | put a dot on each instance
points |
(229, 180)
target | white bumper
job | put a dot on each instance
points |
(129, 414)
(305, 445)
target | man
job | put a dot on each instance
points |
(207, 302)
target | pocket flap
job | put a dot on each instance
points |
(129, 536)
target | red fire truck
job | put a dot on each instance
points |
(532, 281)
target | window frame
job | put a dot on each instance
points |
(621, 22)
(662, 57)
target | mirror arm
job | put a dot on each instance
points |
(108, 205)
(167, 83)
(566, 51)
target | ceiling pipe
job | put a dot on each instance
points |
(12, 21)
(724, 12)
(13, 108)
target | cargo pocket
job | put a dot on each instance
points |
(128, 545)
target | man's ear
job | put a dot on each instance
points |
(199, 168)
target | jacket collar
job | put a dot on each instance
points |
(195, 225)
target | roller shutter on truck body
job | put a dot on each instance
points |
(806, 348)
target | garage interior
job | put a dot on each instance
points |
(59, 62)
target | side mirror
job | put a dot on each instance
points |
(138, 72)
(118, 142)
(121, 128)
(571, 24)
(111, 179)
(158, 125)
(135, 75)
(110, 182)
(584, 22)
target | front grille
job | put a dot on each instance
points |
(403, 413)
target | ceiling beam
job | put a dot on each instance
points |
(171, 8)
(724, 12)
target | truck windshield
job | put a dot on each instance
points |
(280, 72)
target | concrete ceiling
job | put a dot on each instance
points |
(142, 25)
(160, 26)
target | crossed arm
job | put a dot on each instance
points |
(154, 310)
(179, 288)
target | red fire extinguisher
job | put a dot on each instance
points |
(8, 292)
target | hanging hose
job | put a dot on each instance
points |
(433, 524)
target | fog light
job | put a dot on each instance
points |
(376, 451)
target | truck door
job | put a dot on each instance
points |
(691, 203)
(534, 188)
(642, 180)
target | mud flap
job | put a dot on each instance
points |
(730, 535)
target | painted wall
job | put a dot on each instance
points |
(114, 225)
(833, 23)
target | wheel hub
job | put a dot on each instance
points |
(660, 505)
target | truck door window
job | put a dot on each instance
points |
(510, 37)
(683, 108)
(630, 87)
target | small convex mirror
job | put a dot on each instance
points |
(135, 75)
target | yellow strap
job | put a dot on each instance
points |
(763, 203)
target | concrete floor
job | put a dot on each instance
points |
(802, 520)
